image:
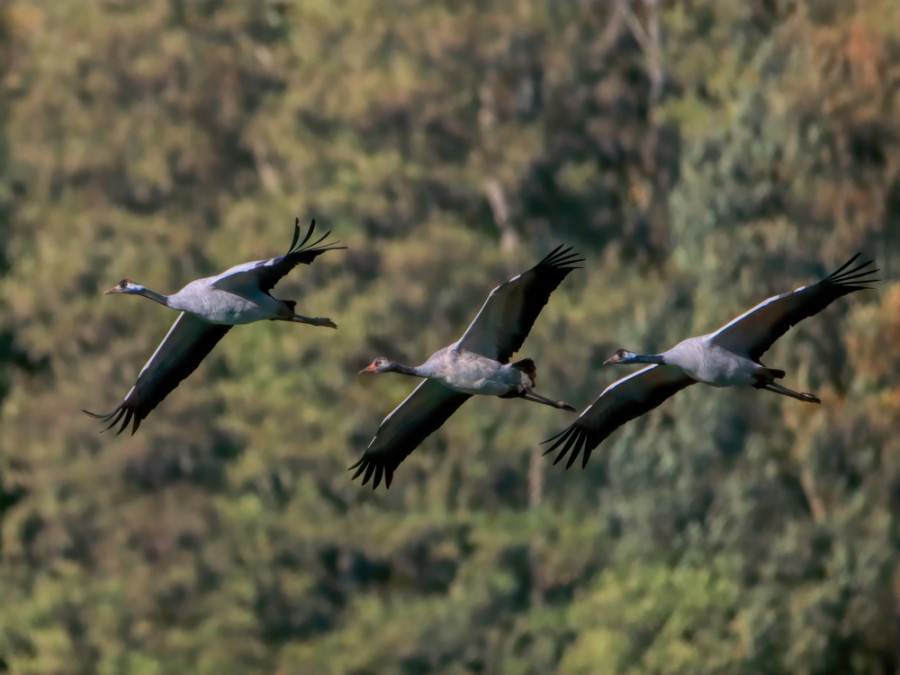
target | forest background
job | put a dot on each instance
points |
(702, 155)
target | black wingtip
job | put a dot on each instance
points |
(296, 235)
(363, 468)
(104, 418)
(369, 470)
(296, 244)
(309, 232)
(121, 417)
(845, 265)
(556, 440)
(554, 437)
(573, 445)
(574, 442)
(585, 456)
(312, 228)
(857, 276)
(562, 257)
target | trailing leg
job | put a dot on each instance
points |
(765, 379)
(317, 321)
(799, 395)
(537, 398)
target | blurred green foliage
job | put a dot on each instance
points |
(702, 155)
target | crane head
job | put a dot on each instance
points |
(621, 356)
(125, 286)
(379, 365)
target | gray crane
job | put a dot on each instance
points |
(728, 357)
(476, 364)
(209, 308)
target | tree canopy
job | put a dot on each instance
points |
(701, 155)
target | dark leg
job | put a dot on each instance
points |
(537, 398)
(297, 318)
(799, 395)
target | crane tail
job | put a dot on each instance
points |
(526, 366)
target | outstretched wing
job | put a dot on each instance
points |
(421, 413)
(511, 309)
(754, 331)
(262, 275)
(186, 344)
(619, 403)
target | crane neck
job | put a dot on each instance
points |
(648, 358)
(415, 371)
(156, 297)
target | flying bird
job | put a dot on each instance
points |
(728, 357)
(477, 363)
(209, 308)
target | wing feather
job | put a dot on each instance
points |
(186, 344)
(401, 432)
(756, 330)
(508, 314)
(620, 402)
(262, 275)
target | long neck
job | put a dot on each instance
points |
(415, 371)
(646, 358)
(156, 297)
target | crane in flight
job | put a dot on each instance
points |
(476, 364)
(209, 308)
(729, 357)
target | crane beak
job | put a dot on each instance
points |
(368, 369)
(612, 359)
(114, 289)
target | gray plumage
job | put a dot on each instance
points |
(728, 357)
(476, 364)
(209, 308)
